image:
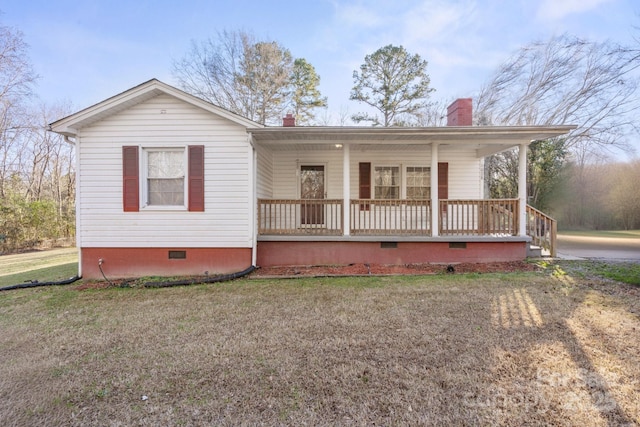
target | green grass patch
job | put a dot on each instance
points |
(60, 300)
(625, 272)
(17, 263)
(47, 274)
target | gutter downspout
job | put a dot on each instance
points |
(254, 200)
(76, 143)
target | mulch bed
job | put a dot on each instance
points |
(352, 270)
(390, 270)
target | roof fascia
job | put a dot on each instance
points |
(504, 135)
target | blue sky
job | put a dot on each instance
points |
(86, 51)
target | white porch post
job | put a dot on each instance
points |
(522, 189)
(346, 189)
(435, 205)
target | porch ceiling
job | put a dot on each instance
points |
(485, 140)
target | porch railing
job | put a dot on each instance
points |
(542, 229)
(390, 217)
(497, 217)
(324, 217)
(300, 217)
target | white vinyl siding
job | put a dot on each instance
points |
(165, 122)
(465, 173)
(286, 172)
(264, 172)
(465, 169)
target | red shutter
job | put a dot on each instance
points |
(443, 182)
(365, 184)
(196, 178)
(130, 179)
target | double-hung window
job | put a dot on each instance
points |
(165, 177)
(395, 182)
(386, 182)
(400, 182)
(418, 183)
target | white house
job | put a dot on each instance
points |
(169, 184)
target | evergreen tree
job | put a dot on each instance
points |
(393, 82)
(306, 95)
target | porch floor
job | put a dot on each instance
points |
(387, 238)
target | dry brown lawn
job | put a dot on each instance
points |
(510, 349)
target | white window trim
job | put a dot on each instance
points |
(373, 179)
(403, 191)
(144, 187)
(300, 165)
(402, 177)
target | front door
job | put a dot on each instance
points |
(312, 189)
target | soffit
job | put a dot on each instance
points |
(485, 140)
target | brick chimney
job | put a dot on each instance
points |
(460, 112)
(289, 121)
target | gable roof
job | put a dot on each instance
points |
(485, 139)
(70, 125)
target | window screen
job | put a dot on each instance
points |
(165, 177)
(387, 182)
(418, 183)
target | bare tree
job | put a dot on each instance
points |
(210, 69)
(624, 197)
(602, 195)
(264, 84)
(431, 114)
(16, 85)
(342, 117)
(252, 78)
(566, 80)
(37, 179)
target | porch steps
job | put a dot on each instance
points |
(534, 251)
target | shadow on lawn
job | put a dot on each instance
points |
(562, 388)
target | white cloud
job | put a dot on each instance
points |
(558, 9)
(437, 20)
(357, 15)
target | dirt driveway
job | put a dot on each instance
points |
(605, 248)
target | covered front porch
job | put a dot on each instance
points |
(392, 195)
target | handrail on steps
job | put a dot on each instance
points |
(542, 229)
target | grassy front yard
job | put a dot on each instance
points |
(548, 348)
(43, 266)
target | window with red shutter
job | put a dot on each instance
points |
(167, 179)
